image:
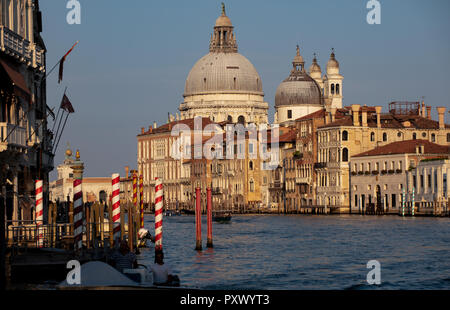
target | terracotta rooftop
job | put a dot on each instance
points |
(321, 114)
(407, 147)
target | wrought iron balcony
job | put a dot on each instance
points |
(15, 45)
(16, 138)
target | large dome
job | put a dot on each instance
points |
(223, 73)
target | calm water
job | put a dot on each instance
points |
(308, 252)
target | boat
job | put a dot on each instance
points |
(188, 212)
(172, 213)
(97, 275)
(221, 216)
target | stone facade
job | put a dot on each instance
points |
(25, 141)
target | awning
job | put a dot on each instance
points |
(17, 80)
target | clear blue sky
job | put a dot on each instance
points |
(133, 58)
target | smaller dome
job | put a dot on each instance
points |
(314, 66)
(298, 88)
(332, 65)
(223, 21)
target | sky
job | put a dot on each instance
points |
(133, 58)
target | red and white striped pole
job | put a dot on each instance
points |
(141, 200)
(116, 206)
(198, 220)
(158, 214)
(209, 240)
(78, 213)
(39, 214)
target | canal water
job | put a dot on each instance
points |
(293, 252)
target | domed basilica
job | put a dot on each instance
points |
(224, 85)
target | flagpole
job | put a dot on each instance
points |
(64, 125)
(56, 119)
(59, 125)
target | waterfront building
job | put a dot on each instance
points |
(224, 85)
(307, 148)
(301, 94)
(25, 141)
(282, 189)
(363, 129)
(155, 159)
(429, 179)
(379, 176)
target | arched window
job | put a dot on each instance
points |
(337, 89)
(332, 89)
(250, 165)
(384, 136)
(241, 119)
(448, 137)
(345, 154)
(234, 83)
(372, 136)
(230, 118)
(345, 135)
(252, 186)
(414, 136)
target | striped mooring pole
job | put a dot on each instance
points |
(116, 206)
(403, 202)
(413, 202)
(158, 214)
(78, 213)
(78, 168)
(198, 220)
(141, 201)
(39, 214)
(209, 240)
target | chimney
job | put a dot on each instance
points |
(378, 110)
(429, 112)
(150, 129)
(364, 118)
(355, 114)
(441, 112)
(127, 170)
(154, 125)
(333, 114)
(142, 130)
(423, 109)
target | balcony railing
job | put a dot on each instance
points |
(19, 47)
(16, 138)
(303, 180)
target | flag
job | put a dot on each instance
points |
(61, 63)
(66, 105)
